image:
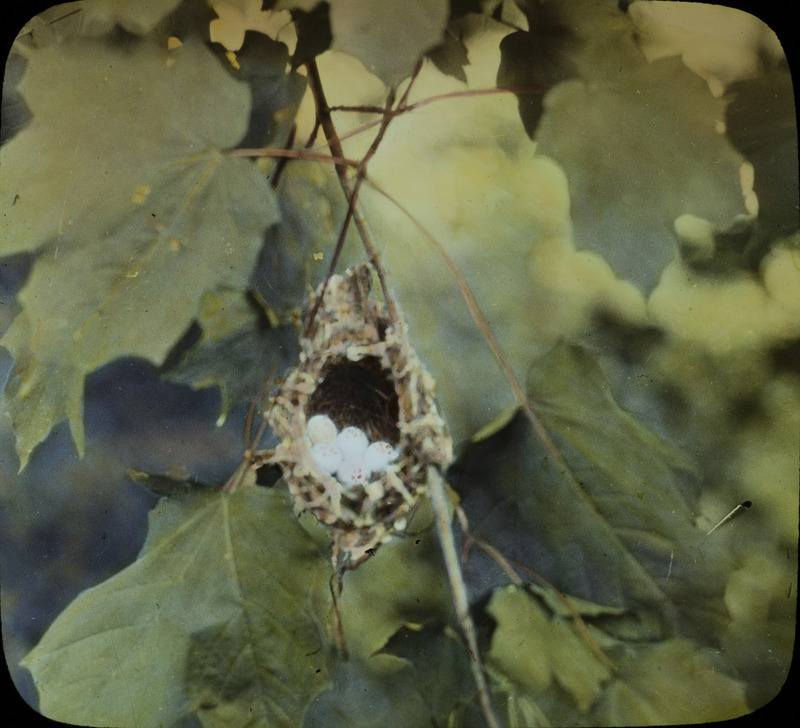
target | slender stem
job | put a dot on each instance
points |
(351, 188)
(438, 495)
(303, 154)
(477, 92)
(497, 351)
(360, 109)
(338, 627)
(509, 566)
(281, 165)
(433, 99)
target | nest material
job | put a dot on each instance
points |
(358, 368)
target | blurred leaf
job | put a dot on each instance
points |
(438, 165)
(550, 675)
(296, 252)
(624, 535)
(627, 121)
(275, 95)
(459, 8)
(536, 651)
(609, 140)
(361, 697)
(234, 19)
(171, 483)
(51, 25)
(313, 33)
(228, 592)
(440, 664)
(388, 37)
(537, 59)
(124, 187)
(671, 683)
(135, 16)
(237, 351)
(450, 57)
(761, 123)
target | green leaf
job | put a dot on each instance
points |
(623, 532)
(221, 615)
(761, 123)
(135, 16)
(450, 57)
(362, 697)
(672, 683)
(546, 668)
(296, 252)
(386, 36)
(537, 651)
(110, 121)
(441, 668)
(123, 188)
(389, 38)
(537, 59)
(313, 33)
(628, 120)
(238, 350)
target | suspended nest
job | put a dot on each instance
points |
(361, 382)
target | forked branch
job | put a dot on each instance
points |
(351, 187)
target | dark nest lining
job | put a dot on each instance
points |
(358, 393)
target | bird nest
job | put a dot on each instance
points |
(357, 419)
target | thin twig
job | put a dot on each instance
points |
(433, 99)
(438, 495)
(302, 154)
(497, 351)
(281, 165)
(477, 92)
(360, 109)
(338, 627)
(351, 188)
(250, 460)
(510, 567)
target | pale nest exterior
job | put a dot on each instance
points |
(351, 330)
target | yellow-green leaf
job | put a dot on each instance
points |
(121, 185)
(222, 611)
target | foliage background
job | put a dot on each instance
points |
(678, 386)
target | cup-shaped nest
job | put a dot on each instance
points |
(357, 369)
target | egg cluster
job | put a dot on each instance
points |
(348, 454)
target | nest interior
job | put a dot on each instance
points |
(358, 367)
(358, 393)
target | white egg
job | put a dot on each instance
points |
(351, 471)
(327, 456)
(352, 442)
(378, 455)
(321, 430)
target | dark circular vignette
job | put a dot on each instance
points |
(778, 15)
